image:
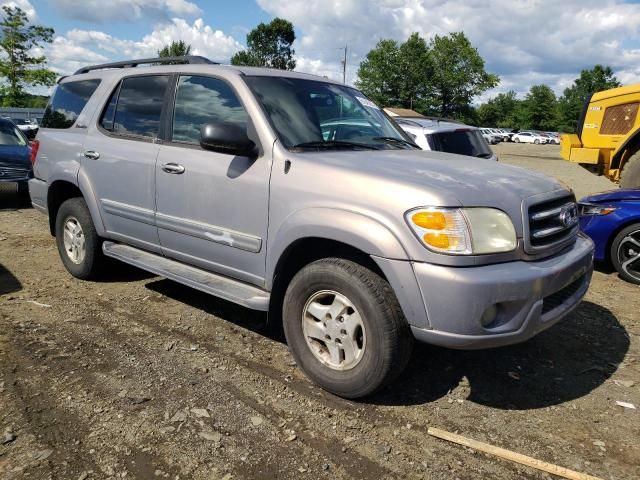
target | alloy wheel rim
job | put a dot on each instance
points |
(74, 240)
(629, 254)
(334, 330)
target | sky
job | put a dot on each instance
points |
(525, 42)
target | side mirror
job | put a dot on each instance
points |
(227, 138)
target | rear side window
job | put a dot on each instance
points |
(462, 142)
(67, 102)
(135, 106)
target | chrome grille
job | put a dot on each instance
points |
(12, 174)
(552, 222)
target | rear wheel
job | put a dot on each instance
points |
(79, 245)
(536, 141)
(625, 253)
(345, 328)
(630, 175)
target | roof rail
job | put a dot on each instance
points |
(188, 59)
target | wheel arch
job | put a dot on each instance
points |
(63, 189)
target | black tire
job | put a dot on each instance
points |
(619, 255)
(630, 175)
(389, 341)
(536, 141)
(517, 140)
(93, 259)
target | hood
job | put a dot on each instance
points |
(458, 179)
(15, 156)
(619, 195)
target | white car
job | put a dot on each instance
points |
(500, 134)
(491, 138)
(529, 137)
(446, 136)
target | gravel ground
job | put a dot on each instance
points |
(139, 377)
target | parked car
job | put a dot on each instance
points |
(229, 185)
(15, 157)
(29, 128)
(529, 137)
(612, 220)
(446, 136)
(491, 138)
(500, 134)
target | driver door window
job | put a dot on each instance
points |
(202, 100)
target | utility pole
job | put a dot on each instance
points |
(344, 66)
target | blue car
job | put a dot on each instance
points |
(612, 220)
(15, 156)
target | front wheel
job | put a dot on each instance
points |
(630, 175)
(536, 141)
(625, 253)
(345, 328)
(517, 140)
(79, 245)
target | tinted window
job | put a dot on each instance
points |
(138, 104)
(310, 114)
(462, 142)
(201, 100)
(67, 102)
(11, 135)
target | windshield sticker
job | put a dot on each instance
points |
(365, 102)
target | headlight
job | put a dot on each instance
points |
(463, 231)
(587, 209)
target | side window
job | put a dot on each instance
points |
(67, 102)
(135, 106)
(201, 100)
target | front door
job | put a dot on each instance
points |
(211, 207)
(120, 157)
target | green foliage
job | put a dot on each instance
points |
(19, 68)
(539, 109)
(269, 45)
(458, 74)
(440, 77)
(590, 81)
(502, 111)
(175, 49)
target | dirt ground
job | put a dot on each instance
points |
(138, 377)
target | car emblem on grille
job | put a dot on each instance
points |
(569, 215)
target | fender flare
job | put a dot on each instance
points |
(345, 226)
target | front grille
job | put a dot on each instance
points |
(552, 222)
(554, 300)
(13, 174)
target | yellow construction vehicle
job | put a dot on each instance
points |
(608, 138)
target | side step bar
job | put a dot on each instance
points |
(220, 286)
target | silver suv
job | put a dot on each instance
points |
(296, 195)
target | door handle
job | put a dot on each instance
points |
(91, 155)
(172, 168)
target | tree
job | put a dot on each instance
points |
(379, 75)
(269, 45)
(590, 81)
(458, 74)
(440, 77)
(175, 49)
(501, 111)
(539, 109)
(20, 66)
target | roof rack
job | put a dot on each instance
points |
(188, 59)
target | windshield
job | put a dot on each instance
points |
(310, 114)
(11, 136)
(462, 142)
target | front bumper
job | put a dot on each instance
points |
(529, 296)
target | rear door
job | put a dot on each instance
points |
(212, 208)
(120, 152)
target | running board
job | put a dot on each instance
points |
(218, 285)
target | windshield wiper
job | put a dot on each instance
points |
(334, 144)
(396, 141)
